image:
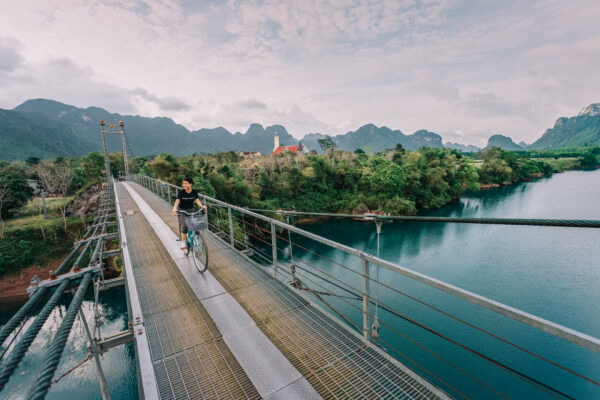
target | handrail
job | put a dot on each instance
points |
(547, 326)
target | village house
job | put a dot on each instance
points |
(277, 149)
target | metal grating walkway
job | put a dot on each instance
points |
(331, 358)
(189, 355)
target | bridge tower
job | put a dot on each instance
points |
(112, 129)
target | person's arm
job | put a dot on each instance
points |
(199, 203)
(175, 207)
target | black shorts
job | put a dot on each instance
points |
(181, 217)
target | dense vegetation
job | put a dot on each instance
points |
(395, 181)
(25, 236)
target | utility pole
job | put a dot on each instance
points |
(43, 193)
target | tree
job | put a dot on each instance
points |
(33, 160)
(327, 143)
(56, 178)
(15, 188)
(3, 194)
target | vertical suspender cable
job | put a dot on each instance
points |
(375, 326)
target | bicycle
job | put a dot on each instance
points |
(196, 223)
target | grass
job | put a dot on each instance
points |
(36, 222)
(561, 164)
(34, 206)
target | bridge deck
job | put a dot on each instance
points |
(330, 357)
(189, 355)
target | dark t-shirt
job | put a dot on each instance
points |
(186, 200)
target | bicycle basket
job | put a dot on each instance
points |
(197, 222)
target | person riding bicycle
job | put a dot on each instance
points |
(186, 199)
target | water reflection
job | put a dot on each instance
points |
(118, 363)
(547, 271)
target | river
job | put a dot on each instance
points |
(550, 272)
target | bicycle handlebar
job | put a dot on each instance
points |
(201, 211)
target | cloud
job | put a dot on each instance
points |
(251, 104)
(314, 65)
(164, 103)
(237, 116)
(10, 57)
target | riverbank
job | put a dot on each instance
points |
(13, 286)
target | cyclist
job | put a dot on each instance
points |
(185, 201)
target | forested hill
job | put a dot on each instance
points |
(46, 128)
(581, 130)
(153, 135)
(31, 134)
(158, 135)
(372, 138)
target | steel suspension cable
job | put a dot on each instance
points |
(577, 223)
(514, 372)
(444, 313)
(359, 329)
(21, 315)
(22, 346)
(39, 389)
(510, 370)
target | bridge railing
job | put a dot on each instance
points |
(362, 290)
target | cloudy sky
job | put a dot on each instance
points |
(463, 69)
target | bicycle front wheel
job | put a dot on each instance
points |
(200, 252)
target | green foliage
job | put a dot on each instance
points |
(500, 167)
(118, 263)
(589, 160)
(396, 181)
(327, 143)
(14, 254)
(30, 245)
(14, 190)
(203, 186)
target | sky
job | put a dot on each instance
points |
(463, 69)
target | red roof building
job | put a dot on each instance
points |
(277, 149)
(284, 149)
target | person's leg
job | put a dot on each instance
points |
(183, 231)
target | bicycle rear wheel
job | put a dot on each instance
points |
(200, 252)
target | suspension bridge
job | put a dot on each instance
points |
(270, 319)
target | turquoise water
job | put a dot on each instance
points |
(118, 363)
(550, 272)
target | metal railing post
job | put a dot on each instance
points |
(94, 349)
(230, 226)
(169, 190)
(274, 245)
(365, 299)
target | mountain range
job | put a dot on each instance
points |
(46, 129)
